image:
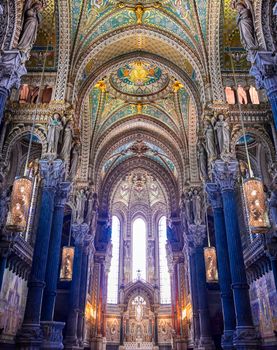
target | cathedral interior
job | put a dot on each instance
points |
(138, 174)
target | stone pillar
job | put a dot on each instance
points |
(245, 337)
(52, 269)
(194, 297)
(79, 231)
(11, 69)
(121, 336)
(30, 336)
(264, 69)
(199, 233)
(224, 272)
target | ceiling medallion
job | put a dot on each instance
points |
(139, 148)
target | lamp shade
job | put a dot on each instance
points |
(67, 264)
(20, 204)
(255, 201)
(211, 265)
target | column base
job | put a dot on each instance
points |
(246, 338)
(52, 335)
(97, 343)
(206, 343)
(29, 337)
(227, 340)
(181, 344)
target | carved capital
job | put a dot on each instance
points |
(11, 69)
(225, 174)
(52, 172)
(214, 195)
(79, 233)
(62, 194)
(198, 233)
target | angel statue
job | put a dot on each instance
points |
(245, 22)
(67, 142)
(54, 128)
(31, 20)
(223, 135)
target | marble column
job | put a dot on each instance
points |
(264, 69)
(11, 69)
(30, 335)
(199, 234)
(224, 272)
(79, 232)
(52, 269)
(245, 336)
(194, 296)
(83, 294)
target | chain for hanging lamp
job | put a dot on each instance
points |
(253, 188)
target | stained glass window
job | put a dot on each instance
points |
(165, 293)
(139, 249)
(112, 295)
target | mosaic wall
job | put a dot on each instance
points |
(264, 305)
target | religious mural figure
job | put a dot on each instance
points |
(53, 135)
(31, 22)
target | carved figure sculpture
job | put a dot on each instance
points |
(53, 135)
(75, 160)
(245, 24)
(210, 141)
(92, 209)
(188, 208)
(30, 25)
(196, 206)
(203, 164)
(80, 206)
(223, 135)
(67, 142)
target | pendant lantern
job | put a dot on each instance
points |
(67, 264)
(20, 204)
(211, 264)
(255, 201)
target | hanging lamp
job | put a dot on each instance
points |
(253, 188)
(210, 254)
(66, 271)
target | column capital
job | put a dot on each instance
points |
(62, 194)
(264, 69)
(52, 172)
(11, 69)
(225, 174)
(214, 195)
(79, 233)
(198, 233)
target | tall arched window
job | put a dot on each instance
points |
(112, 295)
(139, 248)
(165, 294)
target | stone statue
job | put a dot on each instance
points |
(245, 22)
(67, 142)
(210, 141)
(196, 207)
(31, 21)
(74, 160)
(92, 209)
(203, 162)
(127, 249)
(188, 208)
(81, 199)
(53, 135)
(223, 135)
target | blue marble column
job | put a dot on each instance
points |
(224, 272)
(52, 270)
(264, 69)
(30, 333)
(199, 234)
(83, 292)
(79, 232)
(245, 336)
(12, 68)
(194, 295)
